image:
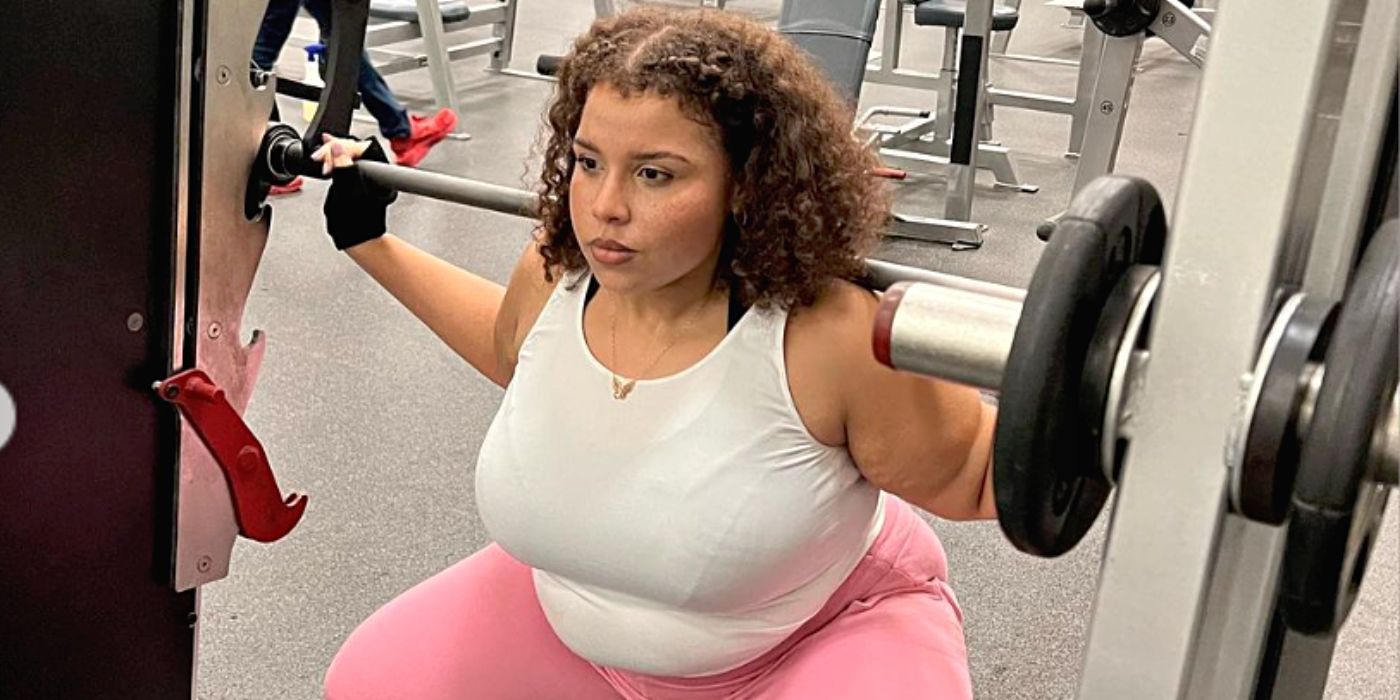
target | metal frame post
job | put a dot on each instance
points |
(435, 45)
(970, 101)
(1166, 546)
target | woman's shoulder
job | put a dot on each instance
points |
(526, 295)
(842, 307)
(824, 343)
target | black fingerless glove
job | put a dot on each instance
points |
(355, 207)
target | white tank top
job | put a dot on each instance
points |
(686, 530)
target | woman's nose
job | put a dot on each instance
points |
(610, 201)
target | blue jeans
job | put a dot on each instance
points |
(378, 99)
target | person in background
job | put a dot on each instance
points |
(410, 136)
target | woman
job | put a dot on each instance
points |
(698, 476)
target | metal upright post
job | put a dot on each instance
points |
(1106, 110)
(967, 115)
(504, 31)
(1090, 56)
(1231, 236)
(435, 45)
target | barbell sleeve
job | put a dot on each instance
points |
(950, 332)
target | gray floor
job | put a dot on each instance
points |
(367, 412)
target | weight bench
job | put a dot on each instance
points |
(927, 138)
(838, 34)
(435, 21)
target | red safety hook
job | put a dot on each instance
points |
(262, 513)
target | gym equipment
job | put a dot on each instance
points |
(1109, 55)
(1190, 601)
(106, 538)
(1350, 450)
(1054, 359)
(1065, 379)
(435, 22)
(955, 138)
(1188, 590)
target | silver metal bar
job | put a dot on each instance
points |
(486, 45)
(883, 274)
(1016, 99)
(1090, 58)
(230, 247)
(962, 170)
(1360, 130)
(905, 77)
(495, 13)
(404, 61)
(439, 63)
(183, 571)
(997, 159)
(1103, 130)
(962, 235)
(1183, 29)
(953, 334)
(1070, 63)
(398, 31)
(1237, 639)
(481, 195)
(504, 31)
(1301, 669)
(1001, 40)
(532, 75)
(947, 86)
(893, 12)
(384, 33)
(1158, 565)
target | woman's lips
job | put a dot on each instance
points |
(610, 252)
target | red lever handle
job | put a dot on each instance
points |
(262, 513)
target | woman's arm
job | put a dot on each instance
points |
(459, 307)
(924, 440)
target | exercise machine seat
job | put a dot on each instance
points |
(837, 34)
(949, 13)
(407, 10)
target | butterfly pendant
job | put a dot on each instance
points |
(622, 388)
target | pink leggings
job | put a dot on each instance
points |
(475, 630)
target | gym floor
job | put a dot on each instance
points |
(364, 409)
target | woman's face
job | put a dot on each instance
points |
(650, 191)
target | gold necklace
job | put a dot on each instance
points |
(622, 386)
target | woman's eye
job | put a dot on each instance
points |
(587, 163)
(653, 175)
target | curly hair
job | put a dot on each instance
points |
(805, 209)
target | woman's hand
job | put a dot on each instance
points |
(343, 152)
(356, 209)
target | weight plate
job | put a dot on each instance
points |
(1047, 492)
(1268, 462)
(1100, 362)
(1336, 505)
(1123, 18)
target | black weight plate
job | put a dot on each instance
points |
(1123, 18)
(1046, 497)
(1270, 459)
(1103, 350)
(1330, 533)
